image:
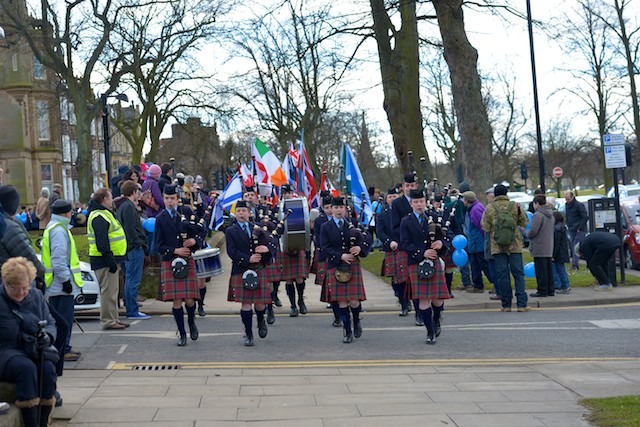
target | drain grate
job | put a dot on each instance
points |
(156, 367)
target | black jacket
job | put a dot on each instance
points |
(317, 226)
(167, 234)
(560, 243)
(164, 180)
(400, 208)
(240, 248)
(129, 218)
(576, 216)
(15, 242)
(599, 242)
(414, 237)
(101, 230)
(384, 229)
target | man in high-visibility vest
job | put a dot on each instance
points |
(107, 248)
(62, 267)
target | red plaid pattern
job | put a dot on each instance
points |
(171, 288)
(434, 288)
(293, 267)
(448, 260)
(314, 263)
(321, 274)
(389, 265)
(351, 291)
(402, 267)
(237, 292)
(325, 293)
(273, 271)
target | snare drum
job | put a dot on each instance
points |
(297, 232)
(207, 263)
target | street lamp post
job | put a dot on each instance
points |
(536, 107)
(105, 131)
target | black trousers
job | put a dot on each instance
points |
(544, 275)
(24, 372)
(599, 265)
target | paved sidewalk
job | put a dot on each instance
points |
(430, 394)
(380, 297)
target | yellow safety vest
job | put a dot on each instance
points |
(74, 261)
(117, 238)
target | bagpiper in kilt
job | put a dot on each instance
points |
(385, 233)
(263, 215)
(400, 208)
(294, 270)
(176, 239)
(249, 256)
(424, 240)
(341, 254)
(442, 214)
(321, 259)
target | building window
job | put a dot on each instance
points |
(42, 111)
(47, 176)
(38, 69)
(14, 61)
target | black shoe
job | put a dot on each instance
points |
(348, 337)
(303, 307)
(419, 321)
(182, 341)
(431, 339)
(193, 331)
(271, 318)
(248, 340)
(537, 295)
(58, 399)
(262, 328)
(277, 301)
(438, 328)
(201, 312)
(336, 323)
(293, 312)
(357, 329)
(404, 312)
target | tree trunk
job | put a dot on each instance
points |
(84, 161)
(399, 67)
(473, 122)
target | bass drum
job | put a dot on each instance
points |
(297, 232)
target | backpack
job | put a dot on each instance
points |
(505, 231)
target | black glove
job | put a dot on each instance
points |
(43, 341)
(66, 287)
(113, 268)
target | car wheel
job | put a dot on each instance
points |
(630, 263)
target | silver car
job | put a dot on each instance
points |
(87, 297)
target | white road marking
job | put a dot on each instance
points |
(617, 323)
(111, 364)
(123, 348)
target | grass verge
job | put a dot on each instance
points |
(621, 411)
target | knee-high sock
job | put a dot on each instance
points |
(191, 314)
(416, 305)
(437, 312)
(427, 317)
(178, 315)
(276, 286)
(260, 315)
(291, 293)
(356, 313)
(247, 319)
(203, 292)
(336, 310)
(346, 318)
(448, 277)
(300, 287)
(396, 290)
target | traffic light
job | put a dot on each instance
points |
(523, 171)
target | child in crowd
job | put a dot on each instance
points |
(560, 255)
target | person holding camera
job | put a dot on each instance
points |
(27, 330)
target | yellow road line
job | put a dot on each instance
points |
(372, 363)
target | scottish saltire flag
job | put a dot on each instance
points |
(306, 179)
(231, 194)
(355, 184)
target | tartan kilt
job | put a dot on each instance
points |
(402, 267)
(389, 264)
(321, 274)
(171, 288)
(325, 293)
(273, 271)
(314, 263)
(448, 260)
(351, 291)
(434, 288)
(293, 266)
(237, 293)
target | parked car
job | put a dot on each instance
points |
(630, 226)
(625, 190)
(87, 298)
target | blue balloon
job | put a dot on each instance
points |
(530, 270)
(459, 242)
(85, 212)
(528, 227)
(150, 225)
(460, 257)
(23, 217)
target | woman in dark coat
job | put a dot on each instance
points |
(23, 312)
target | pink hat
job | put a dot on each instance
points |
(155, 171)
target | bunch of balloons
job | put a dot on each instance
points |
(149, 224)
(460, 257)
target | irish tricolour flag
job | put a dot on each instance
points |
(268, 167)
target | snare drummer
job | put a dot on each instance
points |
(420, 245)
(245, 255)
(173, 246)
(335, 243)
(295, 268)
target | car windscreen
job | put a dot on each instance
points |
(633, 212)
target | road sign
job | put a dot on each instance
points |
(614, 157)
(613, 139)
(557, 172)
